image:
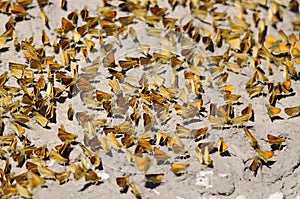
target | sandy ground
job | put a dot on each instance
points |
(230, 176)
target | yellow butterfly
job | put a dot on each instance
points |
(143, 164)
(251, 138)
(155, 178)
(295, 52)
(43, 121)
(178, 168)
(64, 135)
(222, 146)
(62, 177)
(272, 110)
(292, 111)
(160, 154)
(264, 154)
(255, 164)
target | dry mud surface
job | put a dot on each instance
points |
(220, 28)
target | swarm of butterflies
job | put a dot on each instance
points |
(142, 102)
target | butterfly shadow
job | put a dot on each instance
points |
(268, 164)
(20, 19)
(277, 147)
(99, 167)
(32, 7)
(23, 125)
(5, 49)
(61, 99)
(151, 185)
(202, 137)
(225, 154)
(65, 6)
(125, 189)
(213, 150)
(163, 162)
(279, 97)
(276, 118)
(191, 121)
(87, 185)
(109, 153)
(53, 119)
(221, 127)
(47, 127)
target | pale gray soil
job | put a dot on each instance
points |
(229, 177)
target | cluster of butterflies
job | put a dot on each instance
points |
(262, 156)
(147, 102)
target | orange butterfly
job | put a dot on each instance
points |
(272, 111)
(275, 140)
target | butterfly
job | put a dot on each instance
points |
(22, 191)
(277, 46)
(154, 178)
(84, 13)
(283, 88)
(45, 172)
(42, 152)
(293, 6)
(222, 146)
(126, 20)
(55, 156)
(135, 191)
(255, 91)
(62, 177)
(128, 64)
(272, 111)
(123, 183)
(109, 60)
(35, 180)
(18, 10)
(264, 155)
(186, 112)
(45, 20)
(275, 140)
(18, 128)
(251, 138)
(41, 120)
(159, 154)
(203, 155)
(240, 120)
(78, 170)
(66, 25)
(102, 96)
(73, 16)
(143, 163)
(292, 111)
(89, 44)
(169, 22)
(64, 135)
(275, 13)
(217, 122)
(290, 71)
(91, 175)
(179, 168)
(195, 133)
(255, 164)
(295, 52)
(112, 140)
